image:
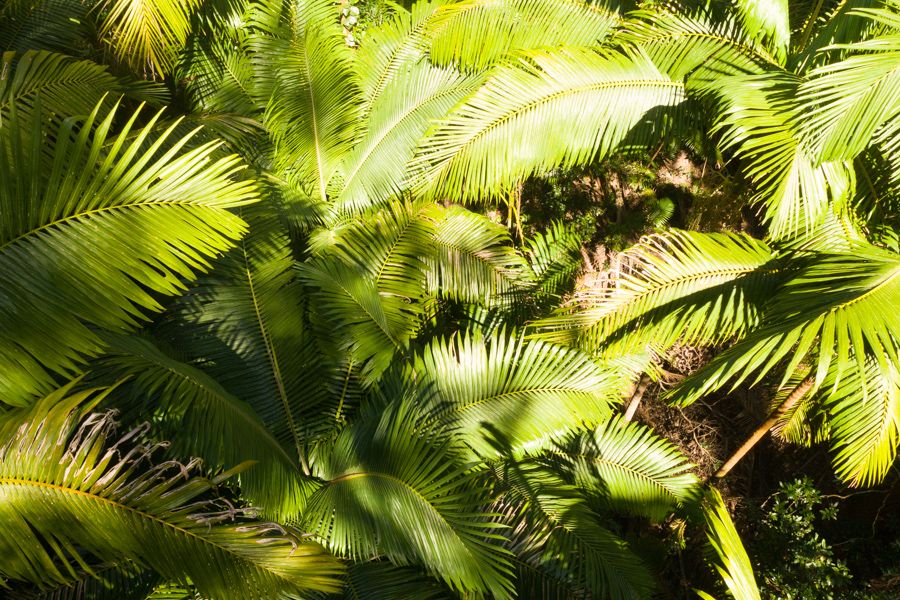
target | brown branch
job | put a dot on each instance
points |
(764, 428)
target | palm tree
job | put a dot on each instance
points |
(327, 331)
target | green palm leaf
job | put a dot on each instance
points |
(729, 557)
(383, 581)
(836, 311)
(864, 419)
(561, 543)
(630, 468)
(846, 102)
(473, 34)
(75, 247)
(204, 420)
(398, 118)
(396, 489)
(66, 489)
(768, 22)
(700, 288)
(526, 393)
(547, 109)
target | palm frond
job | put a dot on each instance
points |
(69, 487)
(554, 258)
(147, 33)
(844, 103)
(699, 288)
(398, 118)
(695, 45)
(834, 312)
(728, 554)
(630, 468)
(244, 325)
(526, 393)
(864, 420)
(474, 34)
(559, 541)
(54, 25)
(396, 489)
(75, 247)
(767, 22)
(383, 581)
(758, 122)
(474, 260)
(202, 419)
(544, 110)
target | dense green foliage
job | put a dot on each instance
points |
(290, 299)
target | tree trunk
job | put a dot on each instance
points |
(764, 428)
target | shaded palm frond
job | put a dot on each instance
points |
(474, 260)
(202, 419)
(398, 490)
(383, 581)
(96, 234)
(560, 543)
(54, 25)
(69, 487)
(544, 110)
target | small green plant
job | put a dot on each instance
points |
(795, 561)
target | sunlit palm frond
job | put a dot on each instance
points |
(864, 420)
(473, 34)
(695, 45)
(546, 109)
(767, 21)
(474, 260)
(729, 557)
(70, 487)
(630, 468)
(397, 119)
(525, 392)
(834, 312)
(202, 419)
(76, 247)
(699, 288)
(396, 489)
(147, 33)
(845, 102)
(758, 122)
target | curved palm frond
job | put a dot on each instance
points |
(847, 101)
(69, 487)
(202, 419)
(554, 258)
(864, 420)
(695, 46)
(767, 21)
(834, 312)
(473, 34)
(399, 490)
(474, 260)
(107, 581)
(75, 241)
(699, 288)
(544, 110)
(629, 467)
(384, 581)
(560, 543)
(244, 324)
(729, 557)
(526, 393)
(55, 25)
(397, 119)
(147, 33)
(758, 121)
